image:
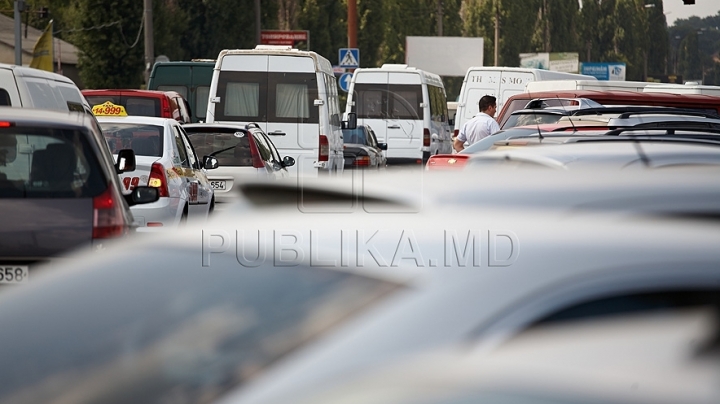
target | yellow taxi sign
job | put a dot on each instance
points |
(109, 109)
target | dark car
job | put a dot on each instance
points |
(362, 149)
(59, 188)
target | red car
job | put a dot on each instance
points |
(162, 104)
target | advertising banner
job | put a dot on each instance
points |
(268, 37)
(567, 62)
(605, 71)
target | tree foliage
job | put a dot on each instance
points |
(630, 31)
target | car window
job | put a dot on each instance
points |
(181, 158)
(275, 154)
(188, 335)
(201, 99)
(263, 147)
(181, 148)
(525, 119)
(48, 163)
(43, 96)
(651, 302)
(372, 139)
(144, 140)
(4, 97)
(230, 146)
(354, 136)
(188, 148)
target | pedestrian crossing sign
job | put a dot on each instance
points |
(349, 58)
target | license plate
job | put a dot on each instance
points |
(217, 184)
(14, 273)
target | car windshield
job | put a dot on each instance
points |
(531, 118)
(164, 333)
(144, 140)
(354, 136)
(230, 146)
(48, 163)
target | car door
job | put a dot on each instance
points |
(199, 187)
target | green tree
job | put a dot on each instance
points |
(110, 43)
(690, 64)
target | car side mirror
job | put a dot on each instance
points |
(382, 146)
(141, 195)
(351, 122)
(125, 161)
(288, 161)
(210, 162)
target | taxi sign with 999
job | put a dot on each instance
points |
(108, 109)
(14, 274)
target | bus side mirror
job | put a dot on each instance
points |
(351, 122)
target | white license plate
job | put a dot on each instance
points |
(14, 273)
(217, 184)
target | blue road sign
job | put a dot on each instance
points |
(344, 81)
(349, 57)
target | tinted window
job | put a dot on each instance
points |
(394, 101)
(4, 97)
(48, 163)
(230, 146)
(354, 136)
(140, 106)
(182, 151)
(187, 334)
(438, 104)
(654, 302)
(43, 96)
(182, 90)
(267, 97)
(201, 100)
(144, 140)
(263, 147)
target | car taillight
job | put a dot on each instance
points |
(324, 150)
(426, 137)
(108, 219)
(158, 179)
(362, 161)
(165, 105)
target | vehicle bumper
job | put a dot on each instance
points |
(166, 211)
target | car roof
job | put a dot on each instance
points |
(44, 117)
(136, 119)
(131, 92)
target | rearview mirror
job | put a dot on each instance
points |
(125, 161)
(382, 146)
(288, 161)
(351, 122)
(142, 194)
(210, 162)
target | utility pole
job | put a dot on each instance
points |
(257, 22)
(546, 14)
(497, 31)
(352, 24)
(19, 6)
(439, 18)
(149, 41)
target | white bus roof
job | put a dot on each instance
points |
(321, 63)
(542, 73)
(687, 88)
(425, 76)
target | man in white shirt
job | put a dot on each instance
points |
(480, 126)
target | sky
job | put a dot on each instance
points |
(675, 9)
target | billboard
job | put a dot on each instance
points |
(605, 71)
(268, 37)
(444, 55)
(567, 62)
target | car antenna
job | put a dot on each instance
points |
(537, 124)
(641, 153)
(569, 116)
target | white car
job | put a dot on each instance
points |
(243, 152)
(164, 159)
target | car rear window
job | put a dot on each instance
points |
(48, 163)
(144, 140)
(535, 118)
(183, 334)
(230, 146)
(138, 106)
(355, 136)
(393, 101)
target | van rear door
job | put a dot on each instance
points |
(477, 84)
(512, 83)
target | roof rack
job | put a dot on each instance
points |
(671, 130)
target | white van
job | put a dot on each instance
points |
(406, 108)
(690, 87)
(292, 95)
(597, 85)
(502, 83)
(25, 87)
